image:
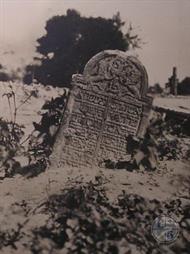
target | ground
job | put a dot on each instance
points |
(21, 198)
(170, 181)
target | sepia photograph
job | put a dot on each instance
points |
(94, 126)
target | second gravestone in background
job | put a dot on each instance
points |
(106, 103)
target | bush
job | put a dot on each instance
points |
(10, 137)
(11, 134)
(42, 140)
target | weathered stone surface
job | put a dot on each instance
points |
(106, 103)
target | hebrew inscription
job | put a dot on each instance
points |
(107, 103)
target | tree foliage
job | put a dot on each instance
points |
(4, 76)
(10, 75)
(184, 86)
(155, 89)
(71, 40)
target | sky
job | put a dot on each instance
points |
(163, 25)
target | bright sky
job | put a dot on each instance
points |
(163, 24)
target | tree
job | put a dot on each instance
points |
(155, 89)
(4, 76)
(10, 75)
(70, 41)
(184, 86)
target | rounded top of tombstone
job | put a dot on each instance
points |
(118, 69)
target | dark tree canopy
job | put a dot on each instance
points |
(4, 76)
(184, 86)
(155, 89)
(70, 41)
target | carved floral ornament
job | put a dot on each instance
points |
(115, 73)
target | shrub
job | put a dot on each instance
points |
(42, 140)
(11, 134)
(10, 137)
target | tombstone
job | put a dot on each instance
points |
(105, 105)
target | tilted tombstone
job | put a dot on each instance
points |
(106, 104)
